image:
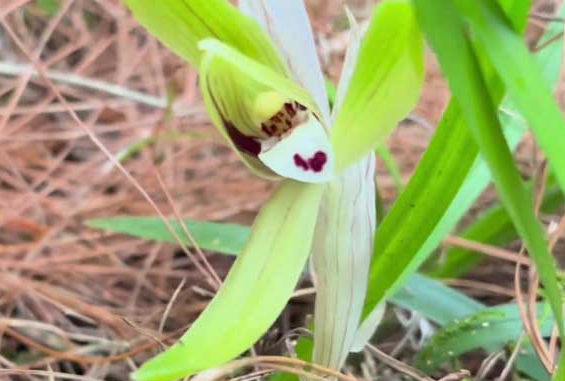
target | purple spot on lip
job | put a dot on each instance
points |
(316, 163)
(300, 162)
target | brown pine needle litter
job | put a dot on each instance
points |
(98, 120)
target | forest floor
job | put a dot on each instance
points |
(78, 301)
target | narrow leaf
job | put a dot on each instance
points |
(453, 175)
(446, 33)
(223, 238)
(522, 77)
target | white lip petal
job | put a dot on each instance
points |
(305, 154)
(287, 22)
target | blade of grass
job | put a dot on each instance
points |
(522, 77)
(494, 226)
(217, 237)
(446, 33)
(453, 175)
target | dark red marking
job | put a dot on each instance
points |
(301, 107)
(300, 162)
(243, 142)
(316, 163)
(290, 109)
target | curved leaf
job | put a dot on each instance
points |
(256, 290)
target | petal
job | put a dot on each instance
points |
(181, 25)
(342, 250)
(256, 290)
(385, 85)
(268, 118)
(289, 27)
(306, 149)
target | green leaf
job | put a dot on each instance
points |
(217, 237)
(490, 328)
(256, 290)
(385, 85)
(446, 33)
(181, 25)
(453, 176)
(522, 77)
(413, 219)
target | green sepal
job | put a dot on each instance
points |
(182, 24)
(256, 290)
(386, 83)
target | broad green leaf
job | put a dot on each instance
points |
(271, 122)
(385, 85)
(181, 25)
(255, 291)
(341, 255)
(223, 238)
(446, 33)
(294, 40)
(435, 301)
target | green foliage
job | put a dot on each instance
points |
(446, 32)
(49, 7)
(483, 56)
(453, 175)
(217, 237)
(490, 328)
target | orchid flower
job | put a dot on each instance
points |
(264, 90)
